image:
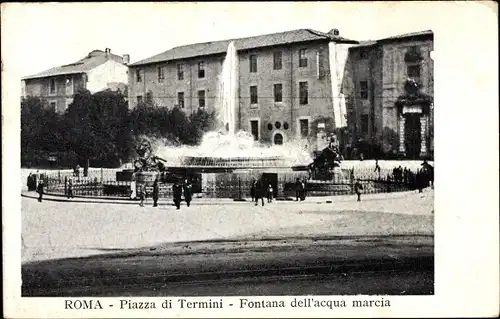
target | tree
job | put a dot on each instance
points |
(99, 127)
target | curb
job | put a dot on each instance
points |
(310, 200)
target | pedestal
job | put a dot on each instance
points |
(423, 136)
(402, 121)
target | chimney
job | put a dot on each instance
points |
(108, 51)
(126, 59)
(334, 32)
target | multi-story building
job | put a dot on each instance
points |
(98, 71)
(295, 85)
(284, 81)
(382, 107)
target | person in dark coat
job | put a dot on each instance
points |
(177, 193)
(303, 190)
(188, 192)
(39, 190)
(156, 192)
(70, 188)
(357, 189)
(260, 190)
(252, 189)
(298, 189)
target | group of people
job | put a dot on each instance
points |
(178, 189)
(259, 190)
(35, 183)
(421, 179)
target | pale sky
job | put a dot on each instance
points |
(41, 36)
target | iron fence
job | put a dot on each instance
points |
(227, 186)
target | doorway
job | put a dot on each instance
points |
(413, 138)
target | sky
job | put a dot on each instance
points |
(41, 36)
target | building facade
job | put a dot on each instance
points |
(391, 88)
(302, 85)
(98, 71)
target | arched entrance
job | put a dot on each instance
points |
(278, 139)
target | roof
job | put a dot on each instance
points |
(219, 47)
(401, 37)
(92, 60)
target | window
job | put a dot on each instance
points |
(138, 76)
(201, 70)
(139, 99)
(278, 93)
(278, 139)
(161, 74)
(413, 71)
(285, 126)
(254, 127)
(303, 93)
(277, 63)
(304, 127)
(277, 125)
(302, 58)
(269, 126)
(69, 86)
(52, 86)
(53, 106)
(254, 98)
(201, 98)
(180, 72)
(364, 123)
(363, 90)
(253, 64)
(180, 99)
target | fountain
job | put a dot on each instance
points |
(226, 153)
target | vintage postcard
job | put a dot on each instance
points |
(292, 159)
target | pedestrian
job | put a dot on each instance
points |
(39, 190)
(188, 192)
(298, 187)
(141, 192)
(269, 193)
(377, 168)
(420, 180)
(177, 193)
(260, 190)
(252, 189)
(303, 190)
(70, 188)
(358, 188)
(156, 192)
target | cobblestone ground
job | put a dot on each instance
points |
(59, 230)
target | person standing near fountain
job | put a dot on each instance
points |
(269, 194)
(358, 188)
(177, 193)
(188, 192)
(156, 192)
(260, 190)
(70, 188)
(39, 189)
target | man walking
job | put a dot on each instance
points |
(188, 193)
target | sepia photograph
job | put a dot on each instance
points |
(200, 150)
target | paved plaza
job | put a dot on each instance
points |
(54, 229)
